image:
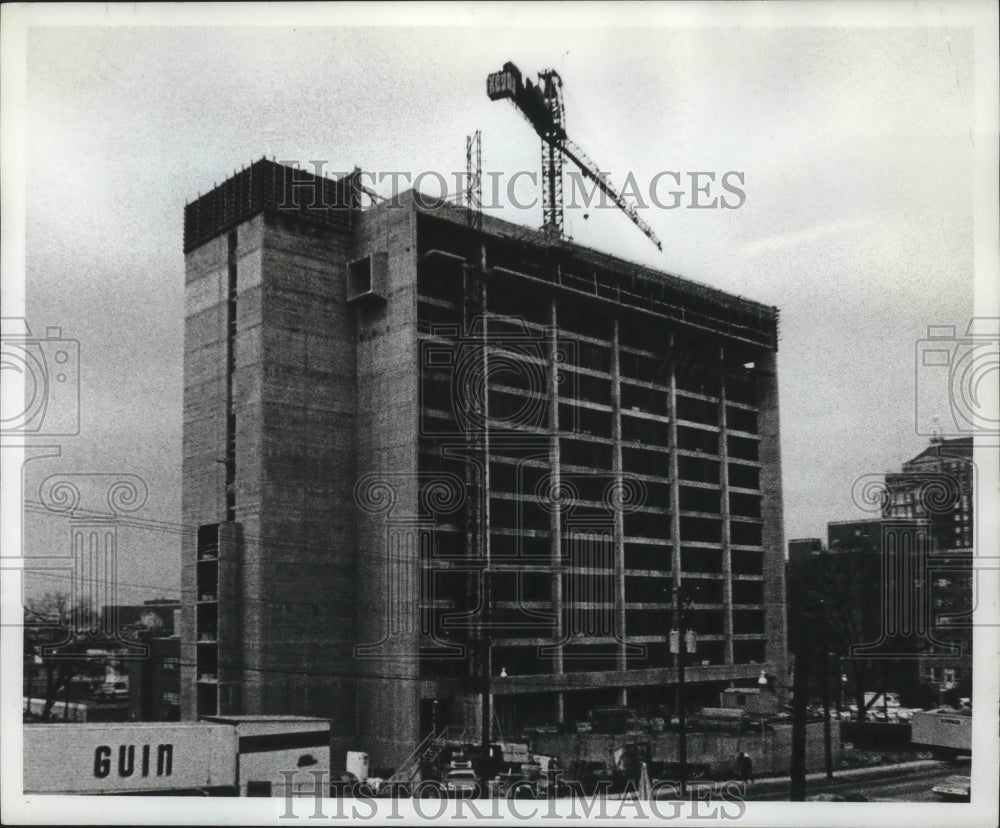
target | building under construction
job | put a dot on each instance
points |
(433, 460)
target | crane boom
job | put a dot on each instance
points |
(542, 106)
(589, 169)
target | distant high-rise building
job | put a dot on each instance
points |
(427, 461)
(924, 540)
(937, 490)
(936, 486)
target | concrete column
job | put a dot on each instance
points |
(555, 528)
(771, 509)
(618, 514)
(727, 552)
(484, 527)
(675, 490)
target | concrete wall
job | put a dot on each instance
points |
(301, 565)
(203, 486)
(770, 752)
(294, 397)
(388, 547)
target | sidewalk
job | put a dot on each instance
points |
(772, 782)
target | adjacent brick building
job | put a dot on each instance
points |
(426, 458)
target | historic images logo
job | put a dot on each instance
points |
(968, 369)
(48, 369)
(520, 190)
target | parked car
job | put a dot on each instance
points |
(113, 691)
(462, 783)
(612, 719)
(954, 789)
(834, 797)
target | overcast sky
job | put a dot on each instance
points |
(857, 148)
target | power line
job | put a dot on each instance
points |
(44, 573)
(271, 541)
(181, 591)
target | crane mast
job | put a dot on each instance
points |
(542, 106)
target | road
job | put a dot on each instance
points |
(911, 785)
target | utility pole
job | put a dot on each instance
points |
(486, 667)
(797, 791)
(825, 678)
(840, 692)
(680, 654)
(682, 747)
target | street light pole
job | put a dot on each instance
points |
(827, 739)
(681, 719)
(762, 685)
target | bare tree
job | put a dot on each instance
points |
(53, 646)
(840, 593)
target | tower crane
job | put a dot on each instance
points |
(542, 105)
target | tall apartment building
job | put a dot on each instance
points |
(427, 458)
(936, 491)
(937, 486)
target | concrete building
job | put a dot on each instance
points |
(924, 539)
(159, 616)
(424, 459)
(854, 535)
(804, 546)
(936, 490)
(936, 486)
(154, 681)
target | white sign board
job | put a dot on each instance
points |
(113, 758)
(690, 642)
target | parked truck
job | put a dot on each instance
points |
(881, 700)
(221, 755)
(946, 732)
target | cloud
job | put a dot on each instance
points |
(769, 244)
